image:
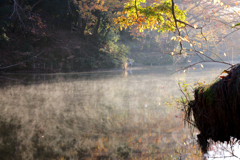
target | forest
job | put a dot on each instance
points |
(74, 35)
(66, 35)
(107, 79)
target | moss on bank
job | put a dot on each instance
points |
(216, 109)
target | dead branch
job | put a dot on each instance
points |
(36, 4)
(22, 61)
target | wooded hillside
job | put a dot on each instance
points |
(71, 35)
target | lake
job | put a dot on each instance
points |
(98, 115)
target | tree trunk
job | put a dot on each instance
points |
(95, 33)
(82, 23)
(108, 30)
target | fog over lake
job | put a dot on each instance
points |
(111, 114)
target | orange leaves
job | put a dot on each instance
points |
(140, 140)
(141, 19)
(225, 71)
(227, 6)
(87, 6)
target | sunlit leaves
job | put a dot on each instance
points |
(216, 1)
(86, 7)
(225, 71)
(238, 24)
(154, 16)
(179, 39)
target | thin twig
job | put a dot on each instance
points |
(202, 62)
(183, 92)
(22, 61)
(36, 4)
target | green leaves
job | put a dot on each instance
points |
(154, 16)
(238, 24)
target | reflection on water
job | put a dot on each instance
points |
(95, 115)
(224, 151)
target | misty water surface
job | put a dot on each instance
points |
(96, 115)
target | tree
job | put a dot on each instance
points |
(152, 16)
(91, 13)
(32, 23)
(207, 31)
(191, 32)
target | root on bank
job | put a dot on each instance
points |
(215, 109)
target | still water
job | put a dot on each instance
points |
(98, 115)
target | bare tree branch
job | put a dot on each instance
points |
(36, 4)
(189, 66)
(22, 61)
